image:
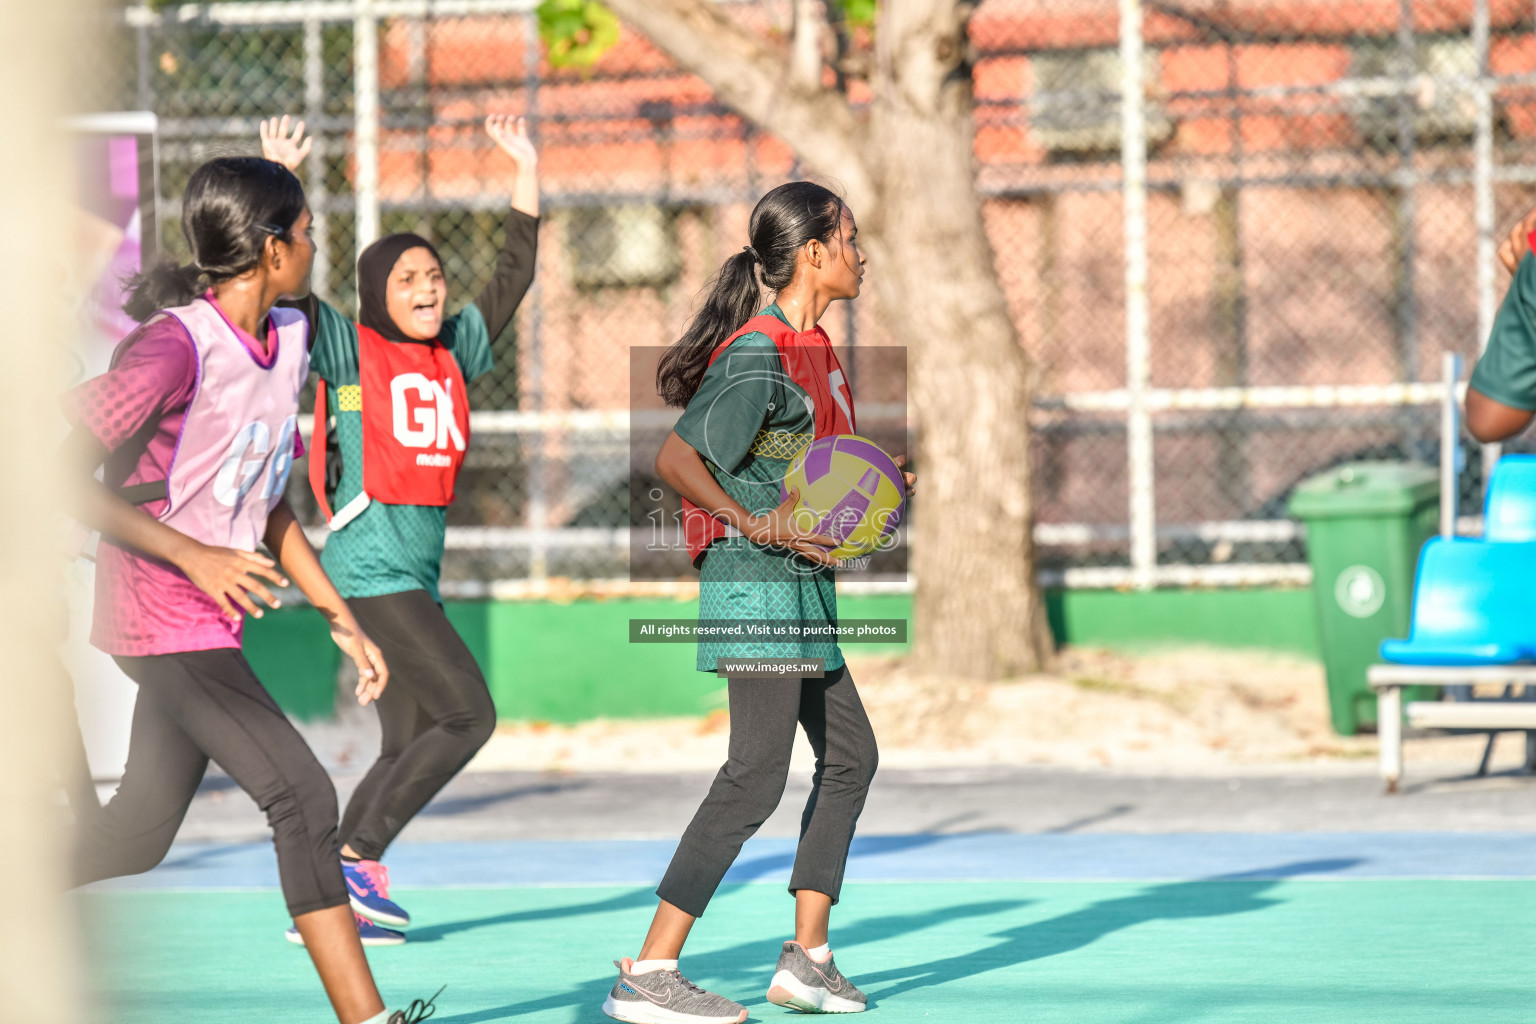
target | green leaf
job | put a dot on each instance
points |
(858, 13)
(576, 33)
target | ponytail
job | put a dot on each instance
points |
(782, 222)
(733, 297)
(162, 286)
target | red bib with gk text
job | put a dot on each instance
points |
(415, 420)
(810, 363)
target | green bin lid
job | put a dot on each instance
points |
(1366, 489)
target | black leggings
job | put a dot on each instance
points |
(434, 715)
(747, 789)
(202, 705)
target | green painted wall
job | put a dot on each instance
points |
(1281, 619)
(291, 652)
(569, 662)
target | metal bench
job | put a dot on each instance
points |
(1490, 715)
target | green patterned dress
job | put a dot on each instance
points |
(748, 420)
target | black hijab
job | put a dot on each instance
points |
(373, 269)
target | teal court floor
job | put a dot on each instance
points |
(1306, 927)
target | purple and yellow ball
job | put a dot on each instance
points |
(850, 489)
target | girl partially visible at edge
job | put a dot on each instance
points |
(391, 433)
(756, 389)
(195, 424)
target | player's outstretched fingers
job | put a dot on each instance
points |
(260, 565)
(238, 594)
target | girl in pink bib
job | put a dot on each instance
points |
(195, 424)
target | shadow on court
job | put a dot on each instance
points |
(623, 901)
(746, 966)
(1237, 894)
(449, 807)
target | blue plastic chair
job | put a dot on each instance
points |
(1509, 514)
(1474, 603)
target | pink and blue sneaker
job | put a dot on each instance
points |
(370, 933)
(368, 885)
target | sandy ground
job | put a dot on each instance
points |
(1187, 711)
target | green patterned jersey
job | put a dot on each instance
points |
(748, 419)
(387, 549)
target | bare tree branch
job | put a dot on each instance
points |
(805, 46)
(753, 77)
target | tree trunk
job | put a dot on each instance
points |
(909, 176)
(978, 611)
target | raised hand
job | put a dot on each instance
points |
(285, 146)
(511, 134)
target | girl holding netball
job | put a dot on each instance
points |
(195, 423)
(391, 430)
(755, 389)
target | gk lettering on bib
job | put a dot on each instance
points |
(246, 460)
(415, 418)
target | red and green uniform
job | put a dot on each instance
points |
(751, 414)
(387, 547)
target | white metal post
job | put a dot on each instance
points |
(532, 346)
(314, 183)
(365, 139)
(1450, 438)
(1133, 157)
(1482, 178)
(1389, 734)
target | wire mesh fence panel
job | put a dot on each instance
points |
(1321, 183)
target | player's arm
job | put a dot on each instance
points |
(285, 538)
(683, 468)
(1491, 421)
(512, 275)
(227, 575)
(1501, 396)
(511, 136)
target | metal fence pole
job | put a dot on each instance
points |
(1450, 435)
(1407, 196)
(1482, 176)
(538, 496)
(365, 139)
(1133, 156)
(315, 184)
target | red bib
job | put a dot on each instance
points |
(810, 363)
(415, 423)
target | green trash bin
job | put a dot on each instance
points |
(1366, 522)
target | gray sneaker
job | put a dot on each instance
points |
(801, 983)
(666, 997)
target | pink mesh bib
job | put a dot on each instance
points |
(236, 446)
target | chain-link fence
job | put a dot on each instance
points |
(1243, 275)
(1250, 271)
